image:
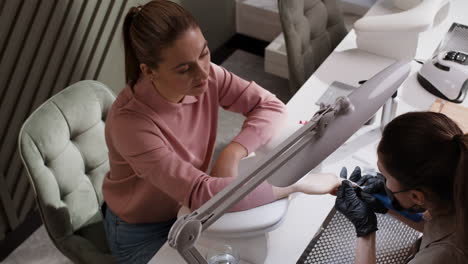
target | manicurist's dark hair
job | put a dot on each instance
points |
(429, 150)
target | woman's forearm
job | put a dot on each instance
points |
(365, 249)
(282, 192)
(312, 183)
(228, 161)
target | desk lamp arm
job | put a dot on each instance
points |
(187, 229)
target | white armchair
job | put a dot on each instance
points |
(396, 34)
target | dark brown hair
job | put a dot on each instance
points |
(148, 30)
(428, 150)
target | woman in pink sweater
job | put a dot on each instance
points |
(161, 131)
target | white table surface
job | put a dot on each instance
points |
(349, 65)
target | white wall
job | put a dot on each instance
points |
(216, 19)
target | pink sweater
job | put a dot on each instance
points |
(159, 151)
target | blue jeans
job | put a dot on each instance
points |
(134, 243)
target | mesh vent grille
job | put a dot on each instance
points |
(335, 243)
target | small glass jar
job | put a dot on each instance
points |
(222, 254)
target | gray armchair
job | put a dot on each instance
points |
(63, 149)
(312, 29)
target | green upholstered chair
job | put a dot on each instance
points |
(312, 29)
(63, 148)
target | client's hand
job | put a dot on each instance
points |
(312, 183)
(318, 183)
(356, 210)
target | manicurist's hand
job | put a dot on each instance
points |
(370, 185)
(373, 184)
(356, 210)
(227, 164)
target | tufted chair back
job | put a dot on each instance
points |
(312, 29)
(63, 148)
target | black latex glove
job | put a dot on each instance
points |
(356, 210)
(370, 184)
(354, 177)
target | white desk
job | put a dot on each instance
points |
(348, 65)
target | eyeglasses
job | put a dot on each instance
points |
(401, 191)
(405, 190)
